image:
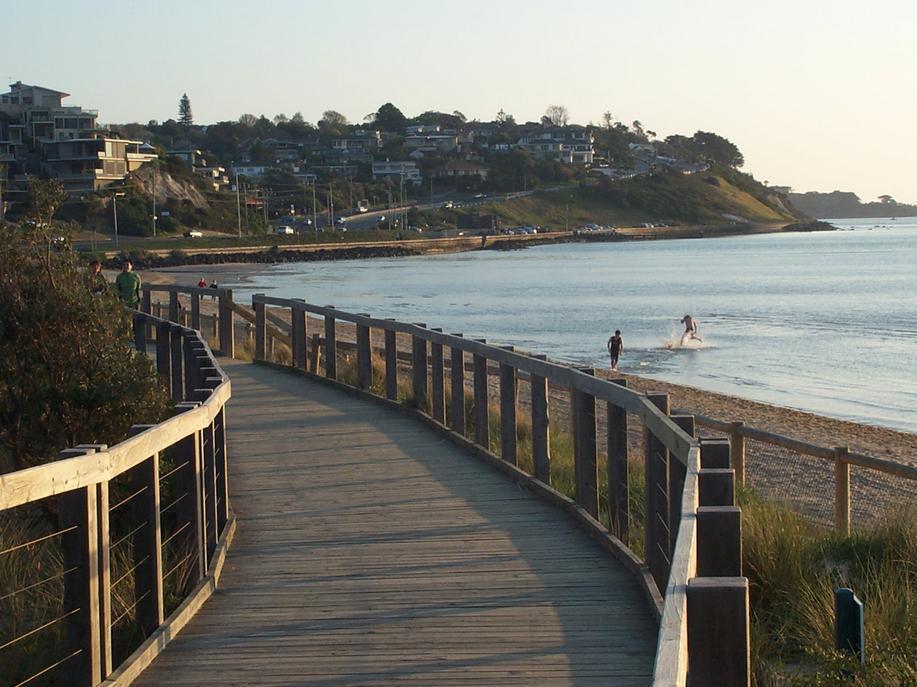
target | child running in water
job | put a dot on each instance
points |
(615, 348)
(690, 329)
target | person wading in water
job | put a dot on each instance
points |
(615, 348)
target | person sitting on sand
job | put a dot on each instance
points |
(615, 348)
(690, 329)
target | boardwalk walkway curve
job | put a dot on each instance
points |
(376, 550)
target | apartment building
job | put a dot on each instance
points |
(572, 145)
(38, 134)
(396, 170)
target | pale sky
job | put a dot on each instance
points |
(818, 95)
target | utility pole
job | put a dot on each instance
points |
(239, 205)
(331, 205)
(155, 176)
(305, 202)
(114, 207)
(350, 190)
(314, 212)
(1, 195)
(265, 196)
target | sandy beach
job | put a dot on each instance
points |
(804, 481)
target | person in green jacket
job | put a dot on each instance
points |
(128, 285)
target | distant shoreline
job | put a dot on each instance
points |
(274, 254)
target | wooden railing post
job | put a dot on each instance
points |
(139, 321)
(391, 365)
(481, 418)
(221, 467)
(719, 521)
(190, 508)
(298, 336)
(209, 491)
(104, 572)
(419, 369)
(147, 542)
(80, 550)
(196, 311)
(657, 539)
(227, 334)
(719, 634)
(174, 307)
(618, 478)
(260, 327)
(737, 442)
(508, 411)
(177, 354)
(164, 353)
(457, 377)
(582, 410)
(331, 362)
(541, 426)
(146, 306)
(841, 492)
(437, 381)
(364, 358)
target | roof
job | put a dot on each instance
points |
(21, 86)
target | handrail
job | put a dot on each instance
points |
(84, 483)
(673, 462)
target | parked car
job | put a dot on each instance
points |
(285, 230)
(193, 234)
(448, 204)
(381, 219)
(340, 221)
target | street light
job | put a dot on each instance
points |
(114, 207)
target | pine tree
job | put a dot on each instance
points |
(184, 111)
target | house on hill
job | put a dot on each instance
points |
(570, 145)
(44, 137)
(460, 168)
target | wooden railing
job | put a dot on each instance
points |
(840, 457)
(147, 519)
(692, 531)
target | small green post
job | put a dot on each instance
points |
(849, 630)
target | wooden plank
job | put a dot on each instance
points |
(419, 371)
(196, 311)
(227, 328)
(841, 492)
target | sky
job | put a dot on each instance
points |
(817, 95)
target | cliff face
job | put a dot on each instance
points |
(168, 187)
(846, 204)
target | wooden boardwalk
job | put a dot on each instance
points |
(370, 550)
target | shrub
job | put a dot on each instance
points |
(68, 372)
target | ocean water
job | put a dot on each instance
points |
(824, 322)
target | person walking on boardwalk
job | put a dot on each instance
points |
(690, 329)
(127, 284)
(97, 283)
(615, 348)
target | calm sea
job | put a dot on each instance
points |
(824, 322)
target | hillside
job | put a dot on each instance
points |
(716, 197)
(846, 204)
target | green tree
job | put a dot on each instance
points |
(184, 111)
(390, 118)
(68, 373)
(714, 148)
